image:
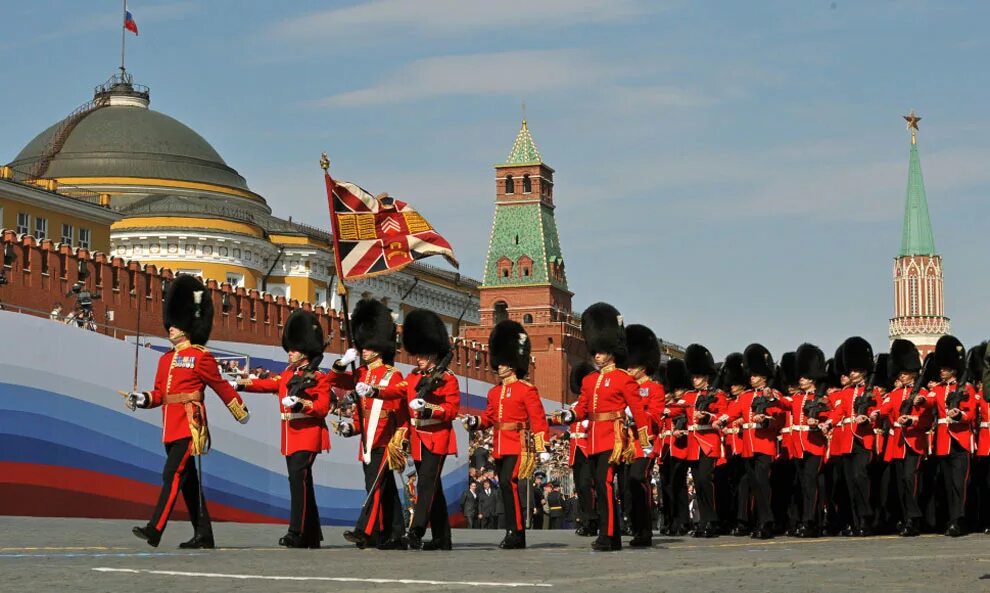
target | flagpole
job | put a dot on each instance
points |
(122, 37)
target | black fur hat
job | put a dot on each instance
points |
(904, 357)
(857, 355)
(838, 362)
(303, 333)
(423, 333)
(699, 361)
(786, 371)
(604, 331)
(810, 362)
(644, 348)
(881, 377)
(509, 344)
(677, 375)
(373, 328)
(578, 373)
(734, 373)
(757, 361)
(975, 362)
(832, 378)
(951, 354)
(188, 307)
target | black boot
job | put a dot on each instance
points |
(910, 529)
(604, 544)
(513, 541)
(414, 539)
(148, 534)
(740, 530)
(357, 538)
(294, 540)
(954, 530)
(393, 543)
(643, 540)
(442, 543)
(199, 542)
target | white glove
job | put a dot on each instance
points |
(290, 401)
(628, 412)
(345, 429)
(135, 400)
(417, 404)
(247, 416)
(544, 457)
(647, 451)
(364, 389)
(584, 424)
(566, 416)
(470, 422)
(350, 356)
(233, 383)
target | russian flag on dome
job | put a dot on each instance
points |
(129, 22)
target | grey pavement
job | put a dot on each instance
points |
(81, 555)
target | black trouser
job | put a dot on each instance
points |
(380, 515)
(680, 514)
(811, 481)
(639, 501)
(784, 490)
(906, 480)
(758, 472)
(980, 492)
(932, 513)
(178, 475)
(879, 494)
(703, 471)
(734, 478)
(855, 473)
(955, 470)
(431, 504)
(584, 485)
(507, 468)
(304, 517)
(837, 513)
(890, 500)
(608, 510)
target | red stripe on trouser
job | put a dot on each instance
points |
(374, 515)
(302, 520)
(610, 500)
(515, 494)
(174, 492)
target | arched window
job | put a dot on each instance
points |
(504, 267)
(913, 296)
(510, 185)
(527, 318)
(525, 264)
(527, 184)
(501, 311)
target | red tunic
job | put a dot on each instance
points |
(841, 440)
(578, 440)
(961, 429)
(983, 429)
(806, 439)
(392, 411)
(305, 430)
(187, 369)
(753, 438)
(510, 404)
(702, 436)
(605, 395)
(844, 414)
(436, 433)
(914, 435)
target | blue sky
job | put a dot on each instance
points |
(726, 172)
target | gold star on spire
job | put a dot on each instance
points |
(912, 120)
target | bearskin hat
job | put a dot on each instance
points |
(975, 362)
(303, 333)
(372, 328)
(578, 373)
(832, 378)
(857, 355)
(644, 348)
(904, 358)
(509, 344)
(188, 307)
(810, 362)
(786, 372)
(734, 373)
(881, 376)
(604, 331)
(950, 354)
(661, 375)
(838, 362)
(699, 361)
(423, 333)
(757, 361)
(677, 375)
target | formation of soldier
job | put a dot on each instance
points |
(852, 445)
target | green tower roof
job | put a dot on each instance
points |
(524, 151)
(916, 236)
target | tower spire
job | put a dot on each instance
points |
(524, 151)
(916, 236)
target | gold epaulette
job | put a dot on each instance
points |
(525, 382)
(199, 347)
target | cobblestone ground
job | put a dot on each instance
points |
(80, 555)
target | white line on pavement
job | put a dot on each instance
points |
(217, 575)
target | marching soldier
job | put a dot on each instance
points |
(784, 487)
(981, 459)
(183, 374)
(604, 396)
(908, 410)
(955, 408)
(584, 482)
(516, 415)
(434, 398)
(304, 395)
(383, 420)
(881, 494)
(674, 447)
(703, 404)
(809, 412)
(759, 415)
(733, 474)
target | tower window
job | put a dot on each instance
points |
(527, 318)
(517, 239)
(505, 273)
(501, 311)
(510, 185)
(527, 184)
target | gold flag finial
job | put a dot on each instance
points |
(324, 162)
(912, 120)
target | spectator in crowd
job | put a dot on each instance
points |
(486, 506)
(555, 506)
(499, 511)
(56, 313)
(469, 505)
(537, 500)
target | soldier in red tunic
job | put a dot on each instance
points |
(518, 422)
(909, 414)
(383, 421)
(584, 482)
(304, 401)
(980, 482)
(809, 415)
(671, 447)
(604, 397)
(183, 374)
(434, 398)
(734, 509)
(955, 407)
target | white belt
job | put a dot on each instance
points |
(896, 425)
(666, 433)
(943, 421)
(802, 428)
(984, 424)
(418, 422)
(731, 431)
(751, 425)
(579, 435)
(785, 430)
(697, 427)
(294, 416)
(847, 420)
